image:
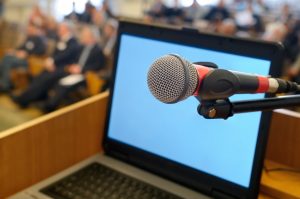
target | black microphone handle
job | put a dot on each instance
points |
(221, 84)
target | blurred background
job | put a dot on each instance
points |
(56, 52)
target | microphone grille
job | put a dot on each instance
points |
(172, 79)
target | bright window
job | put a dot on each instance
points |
(65, 7)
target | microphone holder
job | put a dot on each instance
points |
(224, 108)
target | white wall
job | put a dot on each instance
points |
(129, 8)
(18, 10)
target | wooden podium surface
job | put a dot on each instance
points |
(283, 152)
(36, 150)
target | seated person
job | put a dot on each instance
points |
(247, 20)
(91, 58)
(275, 31)
(156, 11)
(294, 71)
(65, 53)
(86, 16)
(109, 37)
(227, 27)
(37, 17)
(217, 13)
(193, 12)
(291, 43)
(34, 44)
(174, 14)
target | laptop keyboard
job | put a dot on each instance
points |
(100, 182)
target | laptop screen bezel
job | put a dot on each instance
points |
(190, 177)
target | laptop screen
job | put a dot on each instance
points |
(222, 148)
(172, 140)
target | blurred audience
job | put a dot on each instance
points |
(227, 27)
(1, 8)
(248, 20)
(285, 16)
(90, 58)
(73, 16)
(65, 54)
(243, 18)
(109, 37)
(86, 16)
(51, 28)
(156, 11)
(292, 43)
(193, 12)
(37, 17)
(106, 10)
(218, 13)
(275, 31)
(259, 7)
(174, 14)
(34, 44)
(99, 19)
(294, 71)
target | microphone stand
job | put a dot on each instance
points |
(224, 108)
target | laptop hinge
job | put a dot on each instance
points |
(118, 155)
(221, 195)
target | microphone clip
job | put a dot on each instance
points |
(224, 108)
(215, 109)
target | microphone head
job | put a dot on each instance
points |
(172, 79)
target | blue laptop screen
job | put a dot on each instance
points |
(223, 148)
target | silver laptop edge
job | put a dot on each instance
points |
(34, 193)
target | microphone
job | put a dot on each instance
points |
(171, 79)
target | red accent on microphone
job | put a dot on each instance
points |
(202, 72)
(263, 84)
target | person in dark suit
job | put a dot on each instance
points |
(218, 13)
(91, 58)
(34, 44)
(86, 16)
(65, 54)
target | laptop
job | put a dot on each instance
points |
(168, 150)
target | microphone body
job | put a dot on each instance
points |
(172, 79)
(221, 84)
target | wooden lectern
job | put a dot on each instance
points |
(38, 149)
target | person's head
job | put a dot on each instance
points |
(227, 27)
(110, 28)
(105, 5)
(275, 31)
(260, 2)
(65, 29)
(285, 9)
(32, 30)
(51, 23)
(98, 18)
(176, 3)
(195, 3)
(221, 4)
(36, 10)
(250, 7)
(89, 35)
(89, 7)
